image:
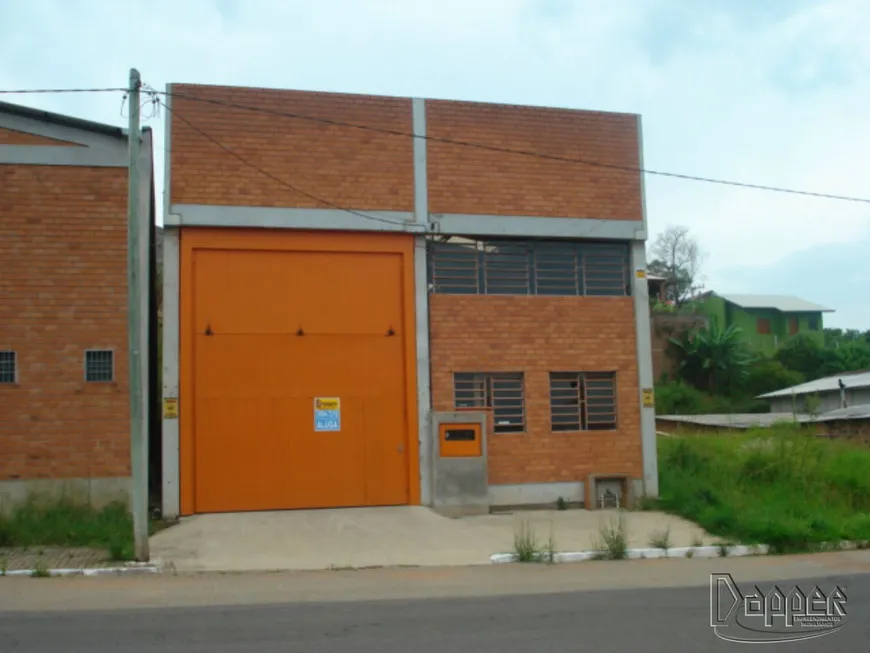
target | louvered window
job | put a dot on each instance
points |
(517, 267)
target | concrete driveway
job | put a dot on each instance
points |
(383, 537)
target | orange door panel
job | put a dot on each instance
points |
(273, 329)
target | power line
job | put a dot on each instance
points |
(451, 141)
(268, 174)
(507, 150)
(31, 91)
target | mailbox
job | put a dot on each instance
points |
(460, 440)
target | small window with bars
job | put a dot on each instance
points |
(582, 401)
(8, 367)
(99, 366)
(501, 392)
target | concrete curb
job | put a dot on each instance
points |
(733, 551)
(97, 571)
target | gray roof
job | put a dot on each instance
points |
(826, 384)
(66, 121)
(862, 411)
(750, 420)
(784, 303)
(734, 421)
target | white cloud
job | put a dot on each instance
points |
(772, 93)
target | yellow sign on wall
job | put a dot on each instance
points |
(327, 403)
(640, 274)
(170, 408)
(649, 400)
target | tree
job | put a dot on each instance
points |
(712, 358)
(835, 337)
(677, 257)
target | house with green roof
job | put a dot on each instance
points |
(767, 321)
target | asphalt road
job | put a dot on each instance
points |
(667, 620)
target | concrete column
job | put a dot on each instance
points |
(170, 370)
(645, 368)
(421, 294)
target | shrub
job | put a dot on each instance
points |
(769, 374)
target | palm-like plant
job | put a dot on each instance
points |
(712, 358)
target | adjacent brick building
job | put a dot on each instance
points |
(345, 275)
(64, 402)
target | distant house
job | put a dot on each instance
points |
(767, 321)
(833, 392)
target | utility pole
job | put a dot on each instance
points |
(138, 441)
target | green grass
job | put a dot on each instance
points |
(67, 524)
(778, 486)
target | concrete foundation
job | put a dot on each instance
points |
(97, 492)
(530, 495)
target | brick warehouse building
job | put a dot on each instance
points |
(64, 403)
(360, 311)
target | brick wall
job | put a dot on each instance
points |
(12, 137)
(472, 180)
(537, 335)
(350, 167)
(63, 290)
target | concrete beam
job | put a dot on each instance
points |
(537, 227)
(200, 215)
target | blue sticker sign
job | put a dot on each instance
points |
(327, 414)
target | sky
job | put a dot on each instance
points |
(771, 92)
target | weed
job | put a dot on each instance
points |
(661, 539)
(697, 541)
(121, 550)
(39, 569)
(550, 551)
(645, 504)
(526, 543)
(723, 549)
(561, 504)
(690, 553)
(4, 565)
(611, 543)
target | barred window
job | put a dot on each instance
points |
(582, 401)
(501, 392)
(99, 366)
(520, 267)
(8, 371)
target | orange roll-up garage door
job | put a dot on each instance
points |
(272, 322)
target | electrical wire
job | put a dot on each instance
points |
(60, 90)
(507, 150)
(451, 141)
(268, 174)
